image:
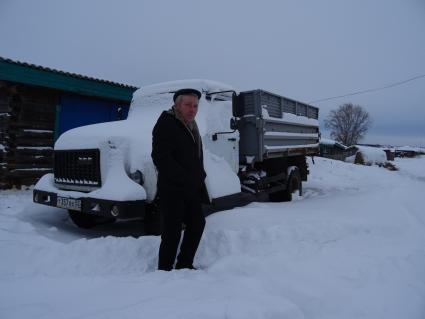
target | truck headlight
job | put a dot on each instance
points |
(137, 177)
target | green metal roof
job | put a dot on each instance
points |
(31, 74)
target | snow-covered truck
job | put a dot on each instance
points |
(255, 145)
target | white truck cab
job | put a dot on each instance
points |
(252, 141)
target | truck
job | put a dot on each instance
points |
(255, 146)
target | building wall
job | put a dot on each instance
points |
(4, 115)
(75, 111)
(29, 129)
(31, 119)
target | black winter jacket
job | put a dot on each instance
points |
(175, 155)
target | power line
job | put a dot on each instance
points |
(370, 90)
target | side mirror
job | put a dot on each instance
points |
(237, 105)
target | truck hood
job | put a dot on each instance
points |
(91, 136)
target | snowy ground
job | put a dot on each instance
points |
(352, 247)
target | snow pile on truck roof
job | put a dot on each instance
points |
(201, 85)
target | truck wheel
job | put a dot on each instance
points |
(293, 184)
(87, 221)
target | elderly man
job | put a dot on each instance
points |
(177, 155)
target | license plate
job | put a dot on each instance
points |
(69, 203)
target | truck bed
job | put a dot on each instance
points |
(271, 125)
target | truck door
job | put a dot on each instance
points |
(225, 146)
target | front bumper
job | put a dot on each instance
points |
(93, 206)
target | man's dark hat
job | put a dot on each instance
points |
(186, 92)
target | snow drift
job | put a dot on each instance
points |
(351, 247)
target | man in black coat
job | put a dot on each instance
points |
(177, 155)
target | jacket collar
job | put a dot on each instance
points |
(191, 127)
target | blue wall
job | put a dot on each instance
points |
(75, 111)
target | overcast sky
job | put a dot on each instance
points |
(302, 49)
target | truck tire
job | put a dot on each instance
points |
(86, 221)
(293, 184)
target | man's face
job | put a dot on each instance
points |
(187, 106)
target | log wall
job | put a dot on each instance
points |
(27, 123)
(4, 117)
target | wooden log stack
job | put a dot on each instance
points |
(27, 123)
(4, 120)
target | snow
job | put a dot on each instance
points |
(34, 148)
(410, 148)
(285, 147)
(351, 247)
(288, 118)
(327, 141)
(300, 119)
(351, 159)
(2, 147)
(294, 135)
(201, 85)
(221, 179)
(372, 155)
(116, 184)
(38, 131)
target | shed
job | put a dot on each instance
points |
(38, 104)
(408, 151)
(335, 150)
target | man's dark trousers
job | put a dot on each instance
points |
(177, 208)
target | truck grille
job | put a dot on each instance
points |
(77, 169)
